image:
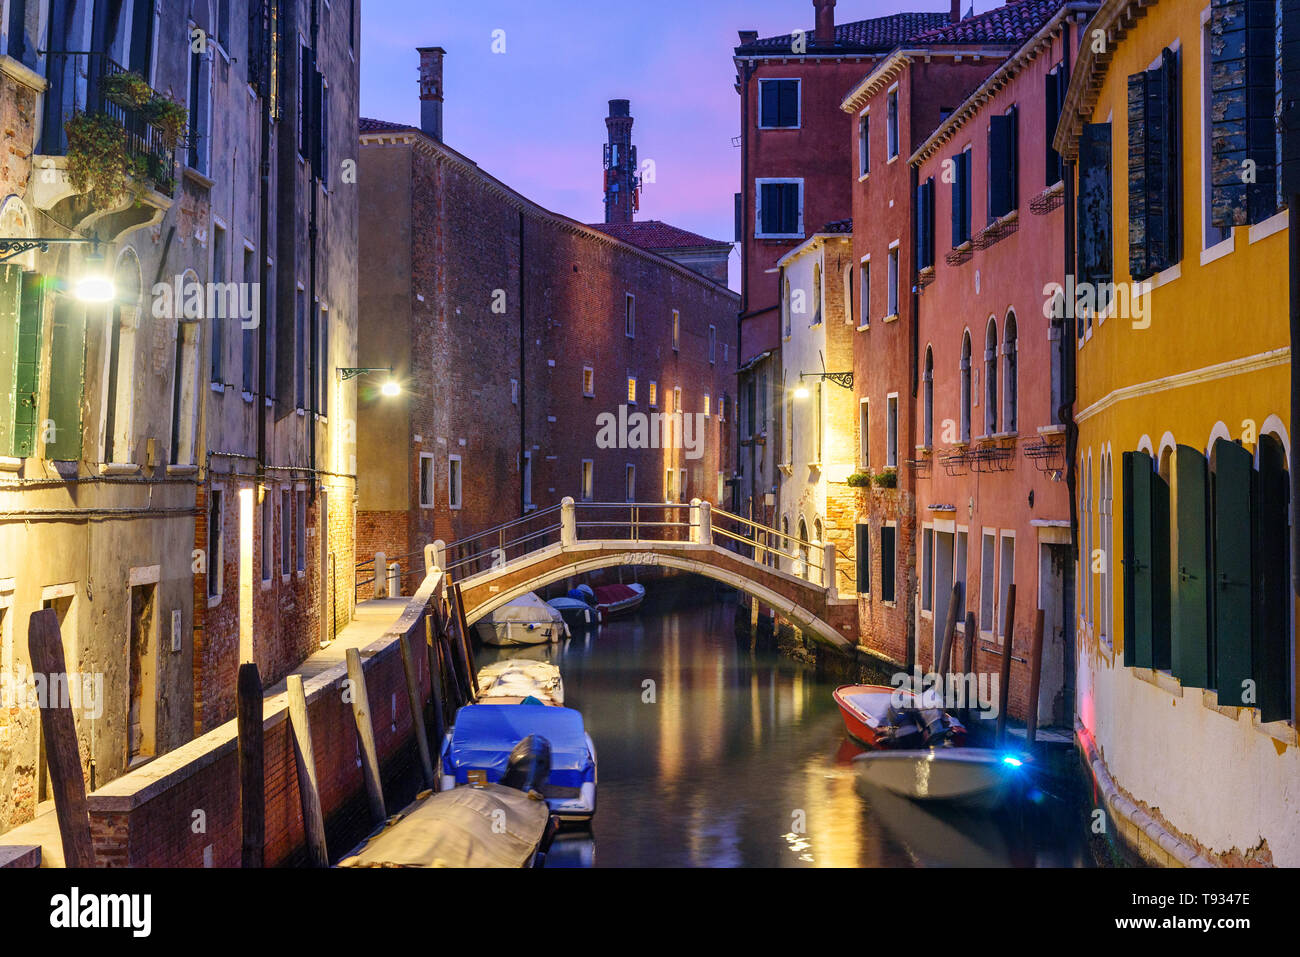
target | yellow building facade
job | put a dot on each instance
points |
(1186, 668)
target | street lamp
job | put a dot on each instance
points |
(390, 388)
(93, 286)
(842, 379)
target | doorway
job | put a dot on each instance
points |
(144, 688)
(1056, 686)
(943, 570)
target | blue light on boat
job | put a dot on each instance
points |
(1014, 762)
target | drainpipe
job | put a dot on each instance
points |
(263, 269)
(1068, 355)
(313, 150)
(523, 401)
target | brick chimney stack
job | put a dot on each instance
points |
(955, 14)
(824, 33)
(620, 164)
(431, 91)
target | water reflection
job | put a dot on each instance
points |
(712, 757)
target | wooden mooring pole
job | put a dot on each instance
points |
(63, 756)
(968, 662)
(1035, 674)
(1008, 636)
(366, 737)
(941, 666)
(252, 766)
(313, 820)
(417, 711)
(435, 681)
(463, 624)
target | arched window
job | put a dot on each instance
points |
(185, 386)
(1056, 343)
(848, 294)
(927, 418)
(1010, 398)
(991, 378)
(817, 293)
(965, 386)
(801, 567)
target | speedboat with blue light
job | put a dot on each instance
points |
(477, 749)
(978, 777)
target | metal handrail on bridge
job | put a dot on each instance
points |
(697, 522)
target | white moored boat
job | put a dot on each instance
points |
(974, 776)
(514, 679)
(527, 620)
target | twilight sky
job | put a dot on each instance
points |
(534, 116)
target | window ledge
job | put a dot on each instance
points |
(214, 601)
(1282, 731)
(8, 464)
(863, 177)
(530, 507)
(1006, 435)
(1161, 679)
(1267, 227)
(119, 468)
(864, 327)
(1219, 249)
(194, 176)
(217, 387)
(300, 412)
(1051, 430)
(182, 469)
(892, 317)
(266, 584)
(247, 396)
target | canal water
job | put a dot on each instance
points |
(712, 756)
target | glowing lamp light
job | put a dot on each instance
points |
(95, 285)
(391, 388)
(801, 393)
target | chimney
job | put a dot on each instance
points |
(621, 179)
(954, 14)
(824, 33)
(431, 91)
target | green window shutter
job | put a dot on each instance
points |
(1161, 592)
(67, 380)
(1271, 652)
(864, 558)
(1232, 485)
(1190, 619)
(1242, 109)
(27, 369)
(1138, 562)
(10, 298)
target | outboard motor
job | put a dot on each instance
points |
(529, 765)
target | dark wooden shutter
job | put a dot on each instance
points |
(1138, 265)
(1161, 590)
(1232, 484)
(863, 545)
(769, 201)
(1190, 620)
(888, 560)
(1271, 652)
(1138, 560)
(306, 69)
(999, 166)
(1242, 109)
(961, 193)
(67, 380)
(27, 367)
(769, 102)
(1289, 76)
(925, 224)
(966, 206)
(788, 113)
(1093, 220)
(1013, 167)
(790, 207)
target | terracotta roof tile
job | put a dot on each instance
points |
(653, 234)
(878, 33)
(1014, 22)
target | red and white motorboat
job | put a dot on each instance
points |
(869, 721)
(614, 600)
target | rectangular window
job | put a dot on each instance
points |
(925, 224)
(629, 315)
(216, 528)
(864, 144)
(199, 109)
(778, 104)
(300, 350)
(588, 381)
(629, 483)
(426, 480)
(654, 395)
(987, 591)
(961, 199)
(670, 491)
(1093, 213)
(927, 569)
(300, 541)
(888, 561)
(891, 122)
(713, 344)
(268, 534)
(588, 480)
(286, 532)
(321, 360)
(677, 399)
(1056, 84)
(631, 390)
(780, 208)
(707, 411)
(722, 407)
(677, 330)
(528, 479)
(891, 431)
(218, 322)
(454, 499)
(1212, 234)
(248, 338)
(1154, 164)
(893, 282)
(864, 435)
(959, 574)
(862, 541)
(864, 294)
(681, 484)
(1003, 166)
(1007, 575)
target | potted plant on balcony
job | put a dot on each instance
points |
(128, 89)
(99, 161)
(859, 480)
(168, 117)
(887, 479)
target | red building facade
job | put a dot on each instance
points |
(992, 504)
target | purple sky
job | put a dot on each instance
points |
(534, 116)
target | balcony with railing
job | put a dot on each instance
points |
(82, 83)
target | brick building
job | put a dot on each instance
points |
(137, 421)
(795, 177)
(511, 329)
(992, 503)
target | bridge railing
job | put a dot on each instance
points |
(503, 543)
(633, 521)
(770, 546)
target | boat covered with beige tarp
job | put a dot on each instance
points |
(488, 826)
